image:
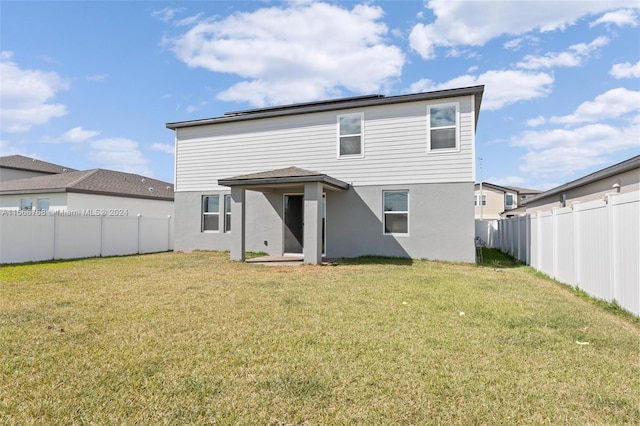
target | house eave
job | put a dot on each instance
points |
(327, 181)
(625, 166)
(322, 106)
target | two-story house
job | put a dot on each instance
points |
(493, 202)
(369, 175)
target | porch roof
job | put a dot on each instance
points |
(283, 177)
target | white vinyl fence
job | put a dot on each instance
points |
(594, 246)
(53, 236)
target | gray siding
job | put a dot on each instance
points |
(441, 223)
(395, 148)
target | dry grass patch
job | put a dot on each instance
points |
(196, 339)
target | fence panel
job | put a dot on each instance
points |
(152, 241)
(77, 236)
(626, 252)
(119, 235)
(35, 238)
(594, 246)
(593, 249)
(19, 243)
(545, 246)
(564, 246)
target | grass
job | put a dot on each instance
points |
(193, 338)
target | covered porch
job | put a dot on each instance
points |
(303, 225)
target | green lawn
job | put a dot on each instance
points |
(179, 339)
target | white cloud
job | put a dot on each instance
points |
(625, 70)
(167, 14)
(162, 147)
(571, 58)
(618, 18)
(474, 23)
(302, 52)
(537, 121)
(507, 180)
(25, 95)
(562, 152)
(97, 78)
(119, 154)
(611, 104)
(502, 88)
(75, 135)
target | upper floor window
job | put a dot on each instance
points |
(509, 200)
(211, 213)
(443, 127)
(350, 135)
(396, 212)
(26, 204)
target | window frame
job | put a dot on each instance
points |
(391, 212)
(23, 202)
(227, 214)
(204, 213)
(477, 200)
(40, 208)
(513, 203)
(339, 136)
(456, 127)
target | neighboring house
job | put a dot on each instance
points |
(620, 178)
(498, 201)
(89, 193)
(370, 175)
(21, 167)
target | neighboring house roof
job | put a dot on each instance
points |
(283, 176)
(335, 104)
(20, 162)
(508, 188)
(624, 166)
(96, 181)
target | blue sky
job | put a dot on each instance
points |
(91, 84)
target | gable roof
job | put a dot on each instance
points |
(334, 105)
(96, 181)
(20, 162)
(508, 188)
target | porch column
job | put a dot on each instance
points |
(237, 223)
(313, 223)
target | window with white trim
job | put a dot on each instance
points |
(227, 213)
(350, 135)
(396, 212)
(509, 200)
(26, 204)
(477, 199)
(443, 132)
(211, 213)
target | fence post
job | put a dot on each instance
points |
(613, 252)
(55, 231)
(139, 232)
(168, 232)
(575, 209)
(554, 243)
(101, 235)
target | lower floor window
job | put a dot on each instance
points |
(396, 212)
(227, 213)
(211, 213)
